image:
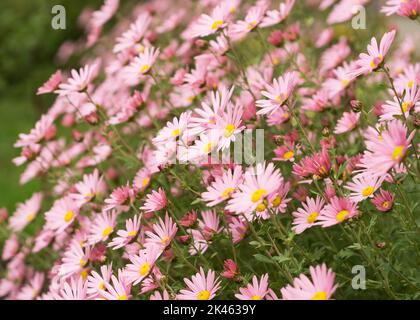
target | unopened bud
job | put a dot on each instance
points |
(356, 105)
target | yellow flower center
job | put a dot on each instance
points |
(88, 195)
(204, 295)
(165, 240)
(227, 192)
(385, 204)
(406, 106)
(312, 217)
(216, 24)
(176, 133)
(123, 297)
(102, 285)
(106, 232)
(230, 128)
(144, 269)
(397, 153)
(82, 263)
(277, 201)
(30, 217)
(256, 297)
(320, 295)
(410, 83)
(145, 68)
(368, 191)
(345, 83)
(261, 207)
(84, 274)
(289, 154)
(251, 25)
(342, 215)
(257, 195)
(132, 233)
(68, 216)
(145, 181)
(207, 148)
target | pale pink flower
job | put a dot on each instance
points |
(120, 198)
(74, 260)
(320, 288)
(201, 287)
(163, 233)
(255, 291)
(238, 229)
(43, 129)
(132, 226)
(103, 225)
(51, 84)
(364, 187)
(132, 37)
(155, 201)
(25, 212)
(307, 216)
(278, 93)
(405, 8)
(251, 21)
(78, 82)
(120, 289)
(32, 289)
(74, 289)
(223, 187)
(337, 211)
(276, 16)
(142, 264)
(143, 63)
(209, 24)
(376, 54)
(347, 122)
(61, 215)
(10, 248)
(160, 296)
(96, 281)
(91, 186)
(410, 101)
(259, 183)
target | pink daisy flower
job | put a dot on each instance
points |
(74, 260)
(43, 129)
(284, 153)
(143, 63)
(61, 215)
(376, 54)
(259, 183)
(78, 82)
(163, 233)
(320, 288)
(315, 166)
(96, 281)
(155, 201)
(120, 198)
(347, 122)
(132, 37)
(142, 264)
(209, 24)
(241, 28)
(338, 210)
(277, 93)
(120, 289)
(223, 187)
(51, 84)
(103, 225)
(25, 212)
(404, 8)
(384, 200)
(363, 187)
(238, 229)
(173, 130)
(256, 290)
(200, 287)
(32, 289)
(410, 101)
(307, 216)
(75, 289)
(386, 151)
(230, 123)
(91, 186)
(10, 248)
(132, 226)
(277, 16)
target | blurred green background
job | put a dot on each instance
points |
(28, 45)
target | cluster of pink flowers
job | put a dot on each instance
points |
(137, 204)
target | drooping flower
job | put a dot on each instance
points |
(51, 84)
(155, 201)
